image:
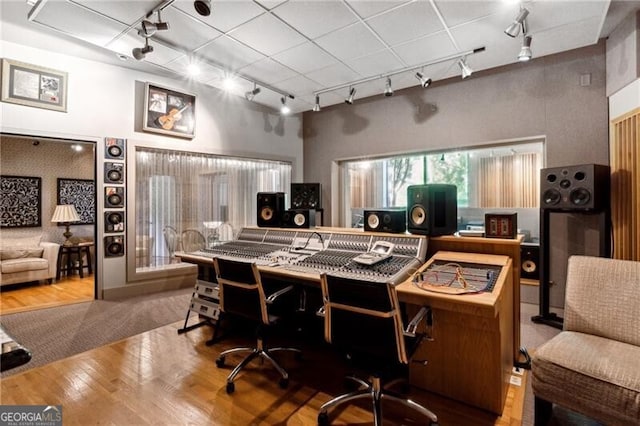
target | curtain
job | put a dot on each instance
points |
(197, 191)
(509, 181)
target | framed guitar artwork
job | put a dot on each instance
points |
(169, 112)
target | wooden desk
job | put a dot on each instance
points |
(468, 357)
(77, 251)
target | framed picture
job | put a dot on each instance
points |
(500, 225)
(82, 194)
(31, 85)
(20, 201)
(169, 112)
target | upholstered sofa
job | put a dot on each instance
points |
(27, 259)
(593, 366)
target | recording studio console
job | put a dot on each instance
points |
(325, 251)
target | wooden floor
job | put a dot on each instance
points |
(29, 296)
(160, 377)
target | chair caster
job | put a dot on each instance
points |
(220, 362)
(283, 383)
(323, 419)
(231, 387)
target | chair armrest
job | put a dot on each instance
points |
(411, 328)
(321, 312)
(272, 297)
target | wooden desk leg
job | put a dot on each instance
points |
(59, 266)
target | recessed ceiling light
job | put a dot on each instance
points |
(193, 69)
(122, 57)
(229, 84)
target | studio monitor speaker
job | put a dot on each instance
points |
(270, 208)
(113, 172)
(385, 220)
(113, 196)
(530, 261)
(432, 209)
(114, 149)
(114, 221)
(306, 196)
(299, 218)
(584, 187)
(114, 246)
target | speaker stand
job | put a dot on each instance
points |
(550, 318)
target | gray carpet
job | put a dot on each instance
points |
(56, 333)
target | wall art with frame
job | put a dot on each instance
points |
(20, 201)
(169, 111)
(35, 86)
(82, 194)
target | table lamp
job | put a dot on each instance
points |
(66, 214)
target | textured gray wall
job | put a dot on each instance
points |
(541, 98)
(623, 54)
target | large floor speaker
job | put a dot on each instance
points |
(575, 188)
(530, 261)
(432, 209)
(306, 196)
(270, 208)
(299, 218)
(385, 220)
(114, 246)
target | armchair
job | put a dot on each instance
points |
(27, 259)
(592, 366)
(363, 319)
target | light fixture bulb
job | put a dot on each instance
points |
(424, 82)
(284, 109)
(316, 107)
(388, 91)
(203, 7)
(352, 93)
(514, 29)
(229, 84)
(464, 68)
(193, 69)
(525, 51)
(139, 53)
(252, 93)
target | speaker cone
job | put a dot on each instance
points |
(114, 151)
(418, 215)
(115, 199)
(114, 175)
(529, 266)
(373, 221)
(551, 197)
(579, 197)
(114, 248)
(266, 213)
(114, 218)
(299, 219)
(565, 183)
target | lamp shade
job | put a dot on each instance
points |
(65, 213)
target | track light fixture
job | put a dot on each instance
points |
(424, 82)
(316, 107)
(139, 53)
(352, 94)
(149, 28)
(464, 68)
(284, 109)
(525, 51)
(252, 93)
(203, 7)
(388, 91)
(514, 29)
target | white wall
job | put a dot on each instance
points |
(106, 101)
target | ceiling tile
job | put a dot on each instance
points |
(367, 8)
(229, 54)
(239, 86)
(80, 22)
(185, 31)
(426, 49)
(406, 23)
(267, 71)
(334, 75)
(267, 34)
(298, 86)
(378, 63)
(316, 18)
(544, 15)
(206, 74)
(225, 15)
(270, 4)
(361, 42)
(305, 57)
(459, 12)
(126, 11)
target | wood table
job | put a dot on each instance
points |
(77, 252)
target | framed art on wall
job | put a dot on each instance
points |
(35, 86)
(82, 194)
(169, 112)
(20, 201)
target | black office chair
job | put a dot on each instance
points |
(363, 319)
(242, 293)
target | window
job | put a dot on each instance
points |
(505, 176)
(185, 190)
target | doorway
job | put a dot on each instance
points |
(63, 172)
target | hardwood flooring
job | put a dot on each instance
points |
(164, 378)
(28, 296)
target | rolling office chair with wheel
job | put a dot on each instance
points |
(242, 293)
(363, 319)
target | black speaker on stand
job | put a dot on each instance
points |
(582, 189)
(270, 209)
(432, 209)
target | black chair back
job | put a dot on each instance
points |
(363, 317)
(241, 291)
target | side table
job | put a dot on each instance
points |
(72, 254)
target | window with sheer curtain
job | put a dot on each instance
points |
(505, 176)
(194, 191)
